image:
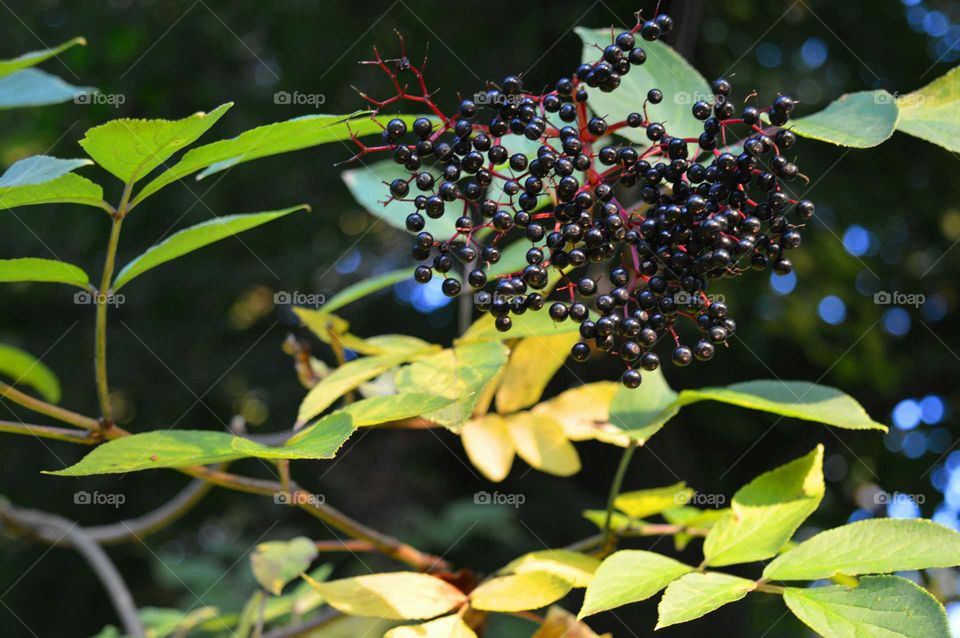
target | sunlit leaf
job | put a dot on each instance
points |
(932, 113)
(42, 271)
(33, 58)
(695, 595)
(643, 503)
(641, 412)
(396, 596)
(543, 444)
(488, 445)
(574, 567)
(560, 623)
(519, 592)
(23, 369)
(858, 120)
(629, 576)
(276, 563)
(532, 364)
(446, 627)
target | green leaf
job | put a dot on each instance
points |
(36, 57)
(519, 592)
(665, 69)
(181, 448)
(533, 362)
(366, 287)
(629, 576)
(880, 607)
(931, 113)
(33, 87)
(619, 522)
(41, 179)
(860, 120)
(797, 399)
(641, 412)
(42, 270)
(26, 370)
(695, 595)
(643, 503)
(271, 139)
(348, 377)
(276, 563)
(459, 374)
(393, 407)
(395, 595)
(195, 237)
(131, 148)
(320, 441)
(766, 512)
(869, 547)
(369, 185)
(149, 450)
(573, 567)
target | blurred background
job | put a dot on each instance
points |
(200, 342)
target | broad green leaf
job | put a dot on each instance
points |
(573, 567)
(488, 445)
(320, 441)
(643, 503)
(641, 412)
(33, 87)
(366, 287)
(695, 595)
(190, 239)
(931, 113)
(560, 623)
(880, 607)
(26, 370)
(369, 185)
(875, 546)
(131, 148)
(36, 57)
(395, 595)
(276, 563)
(665, 69)
(43, 271)
(459, 374)
(766, 512)
(629, 576)
(859, 120)
(529, 324)
(519, 592)
(41, 179)
(532, 364)
(584, 412)
(150, 450)
(543, 444)
(797, 399)
(446, 627)
(349, 377)
(393, 407)
(271, 139)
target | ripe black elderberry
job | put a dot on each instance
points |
(706, 207)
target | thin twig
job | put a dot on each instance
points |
(49, 432)
(48, 409)
(608, 537)
(45, 525)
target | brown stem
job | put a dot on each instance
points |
(49, 432)
(352, 546)
(50, 410)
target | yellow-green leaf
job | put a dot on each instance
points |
(532, 364)
(584, 412)
(33, 58)
(931, 113)
(393, 407)
(488, 445)
(629, 576)
(276, 563)
(641, 412)
(26, 370)
(395, 596)
(858, 120)
(643, 503)
(519, 592)
(560, 623)
(697, 594)
(542, 443)
(33, 269)
(574, 567)
(446, 627)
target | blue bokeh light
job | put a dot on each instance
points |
(814, 52)
(896, 321)
(901, 506)
(936, 24)
(915, 444)
(424, 298)
(769, 55)
(906, 414)
(934, 308)
(932, 409)
(783, 284)
(856, 240)
(832, 310)
(349, 262)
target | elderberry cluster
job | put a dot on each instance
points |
(511, 163)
